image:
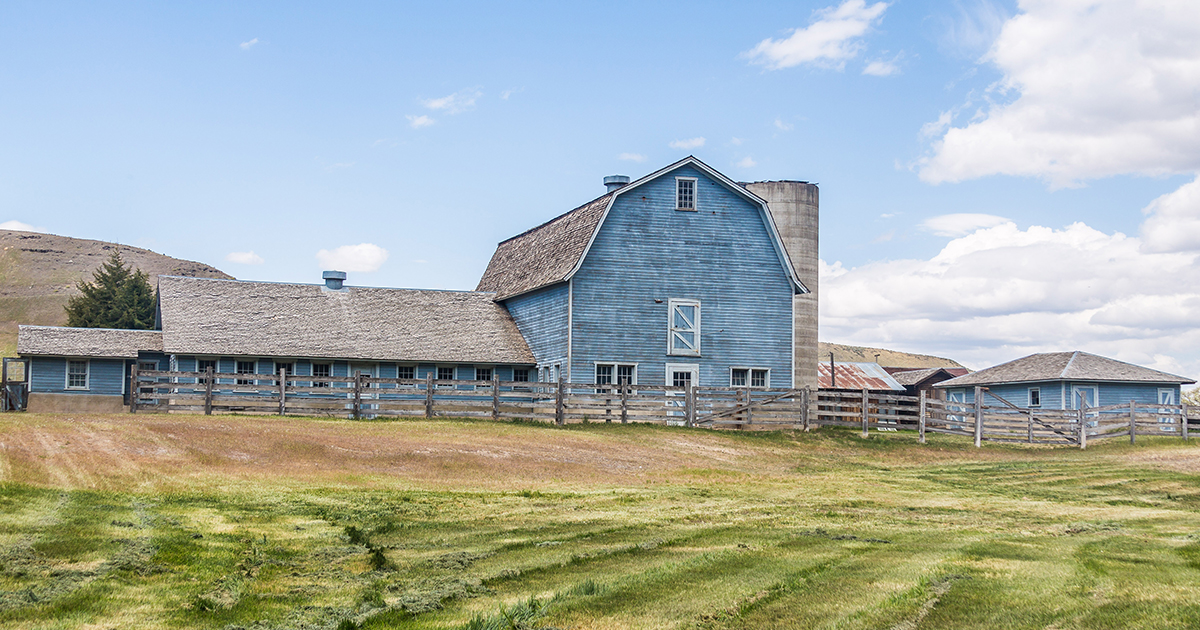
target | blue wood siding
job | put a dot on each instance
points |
(541, 316)
(722, 255)
(1109, 393)
(49, 375)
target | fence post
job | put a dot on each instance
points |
(1082, 425)
(978, 416)
(690, 407)
(921, 420)
(1132, 421)
(1184, 410)
(624, 403)
(865, 411)
(805, 400)
(357, 394)
(495, 396)
(208, 389)
(282, 390)
(133, 389)
(749, 406)
(559, 411)
(4, 387)
(429, 394)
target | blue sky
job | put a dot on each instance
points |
(979, 162)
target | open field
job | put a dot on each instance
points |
(266, 522)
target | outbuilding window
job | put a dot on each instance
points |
(683, 336)
(1035, 397)
(685, 193)
(245, 367)
(77, 374)
(320, 370)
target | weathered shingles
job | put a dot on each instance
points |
(543, 255)
(912, 377)
(86, 342)
(228, 317)
(1073, 366)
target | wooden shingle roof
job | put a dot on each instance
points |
(107, 343)
(544, 255)
(231, 317)
(1065, 366)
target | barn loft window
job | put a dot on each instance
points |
(77, 374)
(685, 193)
(683, 336)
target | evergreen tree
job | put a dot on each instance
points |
(117, 297)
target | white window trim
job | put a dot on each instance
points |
(694, 368)
(87, 375)
(614, 364)
(1029, 397)
(750, 376)
(672, 303)
(695, 193)
(1095, 389)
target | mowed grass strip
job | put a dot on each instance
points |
(265, 522)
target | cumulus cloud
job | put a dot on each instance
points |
(244, 258)
(883, 67)
(1000, 292)
(364, 257)
(247, 45)
(21, 227)
(690, 143)
(829, 41)
(455, 103)
(960, 224)
(747, 162)
(783, 126)
(1089, 89)
(417, 122)
(1174, 221)
(632, 157)
(967, 29)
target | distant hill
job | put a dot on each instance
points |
(888, 358)
(38, 274)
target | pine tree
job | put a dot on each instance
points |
(117, 297)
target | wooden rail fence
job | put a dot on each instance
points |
(360, 396)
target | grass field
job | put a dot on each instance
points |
(238, 522)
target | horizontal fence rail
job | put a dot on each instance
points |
(364, 397)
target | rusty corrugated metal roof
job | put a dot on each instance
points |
(857, 376)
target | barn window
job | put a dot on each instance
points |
(445, 374)
(685, 193)
(615, 373)
(406, 371)
(77, 374)
(288, 368)
(1035, 397)
(245, 367)
(521, 375)
(483, 374)
(683, 336)
(321, 370)
(749, 377)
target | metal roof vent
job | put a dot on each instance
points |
(614, 182)
(334, 279)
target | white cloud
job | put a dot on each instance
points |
(632, 157)
(690, 143)
(507, 93)
(782, 126)
(1090, 89)
(735, 141)
(972, 28)
(417, 122)
(244, 258)
(455, 103)
(882, 68)
(247, 45)
(21, 227)
(828, 41)
(961, 224)
(747, 162)
(1000, 293)
(1174, 221)
(364, 257)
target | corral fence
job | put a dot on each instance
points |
(364, 397)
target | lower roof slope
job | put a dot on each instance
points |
(1064, 366)
(856, 376)
(232, 317)
(102, 343)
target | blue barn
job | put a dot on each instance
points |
(1061, 380)
(681, 277)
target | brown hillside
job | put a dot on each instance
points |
(889, 358)
(38, 274)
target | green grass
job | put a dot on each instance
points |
(776, 531)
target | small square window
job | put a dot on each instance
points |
(521, 375)
(406, 371)
(483, 374)
(288, 368)
(77, 374)
(739, 377)
(445, 374)
(245, 367)
(685, 193)
(758, 378)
